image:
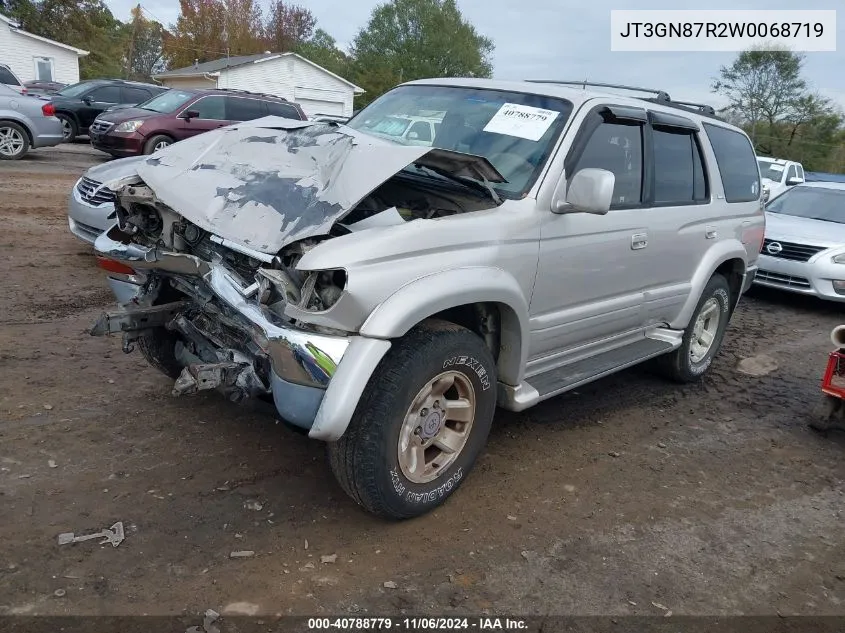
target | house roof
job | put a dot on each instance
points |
(218, 65)
(13, 26)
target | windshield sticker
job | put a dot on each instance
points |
(774, 167)
(521, 121)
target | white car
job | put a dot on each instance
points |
(778, 175)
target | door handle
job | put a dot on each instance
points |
(710, 232)
(639, 240)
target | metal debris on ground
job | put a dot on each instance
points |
(242, 554)
(52, 463)
(210, 617)
(331, 558)
(390, 585)
(113, 535)
(253, 505)
(60, 593)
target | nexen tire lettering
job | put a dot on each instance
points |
(474, 365)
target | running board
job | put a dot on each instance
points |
(568, 377)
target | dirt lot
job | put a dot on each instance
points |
(709, 499)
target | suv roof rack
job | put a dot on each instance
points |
(250, 92)
(661, 96)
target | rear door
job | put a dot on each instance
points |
(96, 101)
(244, 109)
(678, 215)
(133, 95)
(212, 115)
(286, 110)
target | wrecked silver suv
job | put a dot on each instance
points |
(388, 286)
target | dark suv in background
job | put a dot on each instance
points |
(79, 104)
(180, 114)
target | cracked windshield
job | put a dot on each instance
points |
(514, 131)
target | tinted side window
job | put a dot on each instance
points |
(213, 107)
(106, 94)
(422, 130)
(678, 172)
(282, 109)
(240, 109)
(800, 172)
(135, 95)
(737, 163)
(617, 148)
(792, 173)
(6, 77)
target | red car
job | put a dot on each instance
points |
(176, 114)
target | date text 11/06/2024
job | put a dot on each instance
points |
(417, 624)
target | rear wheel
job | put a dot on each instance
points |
(14, 141)
(157, 142)
(69, 128)
(703, 336)
(421, 423)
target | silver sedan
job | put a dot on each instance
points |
(91, 202)
(26, 122)
(804, 249)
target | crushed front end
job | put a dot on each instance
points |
(214, 312)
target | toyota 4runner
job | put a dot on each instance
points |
(387, 297)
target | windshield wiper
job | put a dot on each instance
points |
(483, 186)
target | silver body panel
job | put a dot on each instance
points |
(569, 288)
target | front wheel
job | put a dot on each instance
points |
(157, 142)
(158, 347)
(420, 424)
(703, 336)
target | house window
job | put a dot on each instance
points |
(44, 68)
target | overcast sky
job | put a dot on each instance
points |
(558, 39)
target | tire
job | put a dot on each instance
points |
(686, 364)
(158, 347)
(157, 142)
(366, 459)
(69, 128)
(14, 141)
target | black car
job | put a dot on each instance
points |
(79, 104)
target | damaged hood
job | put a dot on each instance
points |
(270, 182)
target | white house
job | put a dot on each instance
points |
(34, 57)
(288, 75)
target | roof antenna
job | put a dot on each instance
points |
(584, 87)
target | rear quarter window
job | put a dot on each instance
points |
(6, 77)
(737, 163)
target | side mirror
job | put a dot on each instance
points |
(190, 114)
(591, 191)
(88, 99)
(794, 181)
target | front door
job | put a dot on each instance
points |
(591, 267)
(211, 111)
(97, 101)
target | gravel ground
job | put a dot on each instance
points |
(631, 496)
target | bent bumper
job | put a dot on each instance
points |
(316, 379)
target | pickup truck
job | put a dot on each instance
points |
(778, 175)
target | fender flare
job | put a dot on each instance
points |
(719, 254)
(434, 293)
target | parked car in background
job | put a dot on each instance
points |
(79, 104)
(25, 123)
(38, 87)
(778, 175)
(91, 204)
(804, 249)
(179, 114)
(10, 79)
(408, 130)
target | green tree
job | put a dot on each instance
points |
(288, 26)
(243, 27)
(198, 33)
(763, 84)
(322, 49)
(414, 39)
(144, 47)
